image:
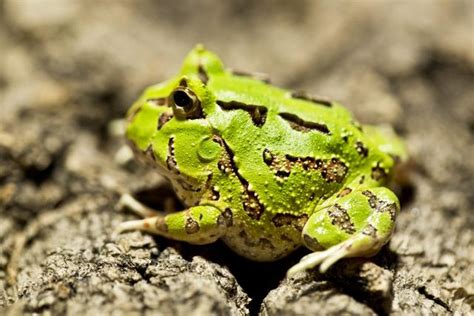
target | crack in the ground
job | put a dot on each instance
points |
(422, 290)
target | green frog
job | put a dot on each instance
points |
(264, 169)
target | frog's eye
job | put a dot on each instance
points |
(185, 103)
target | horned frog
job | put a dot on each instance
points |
(264, 169)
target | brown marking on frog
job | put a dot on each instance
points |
(344, 192)
(361, 149)
(287, 219)
(381, 205)
(286, 238)
(187, 186)
(202, 74)
(171, 160)
(370, 230)
(251, 204)
(163, 119)
(340, 218)
(214, 194)
(134, 113)
(393, 210)
(225, 218)
(307, 163)
(280, 166)
(373, 200)
(300, 125)
(224, 164)
(191, 226)
(258, 113)
(302, 95)
(263, 243)
(149, 153)
(208, 185)
(267, 157)
(334, 170)
(254, 75)
(378, 173)
(183, 83)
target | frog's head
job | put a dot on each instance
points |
(169, 127)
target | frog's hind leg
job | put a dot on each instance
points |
(357, 224)
(196, 225)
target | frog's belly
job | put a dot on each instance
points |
(264, 247)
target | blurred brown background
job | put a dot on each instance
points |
(69, 68)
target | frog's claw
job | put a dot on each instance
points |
(129, 202)
(324, 258)
(130, 225)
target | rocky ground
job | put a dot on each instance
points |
(70, 68)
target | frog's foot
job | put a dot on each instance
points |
(324, 258)
(359, 245)
(129, 202)
(357, 224)
(197, 225)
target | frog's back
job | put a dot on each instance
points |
(293, 143)
(296, 129)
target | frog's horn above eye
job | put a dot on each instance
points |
(201, 61)
(185, 103)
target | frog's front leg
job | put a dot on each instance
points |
(356, 224)
(196, 225)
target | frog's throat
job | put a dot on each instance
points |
(188, 189)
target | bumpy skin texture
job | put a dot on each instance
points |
(265, 169)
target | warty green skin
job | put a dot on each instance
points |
(255, 170)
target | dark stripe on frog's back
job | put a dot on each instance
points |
(277, 100)
(243, 89)
(280, 103)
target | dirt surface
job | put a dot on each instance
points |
(70, 68)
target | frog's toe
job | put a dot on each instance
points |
(129, 202)
(325, 259)
(130, 225)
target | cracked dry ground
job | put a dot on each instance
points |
(68, 71)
